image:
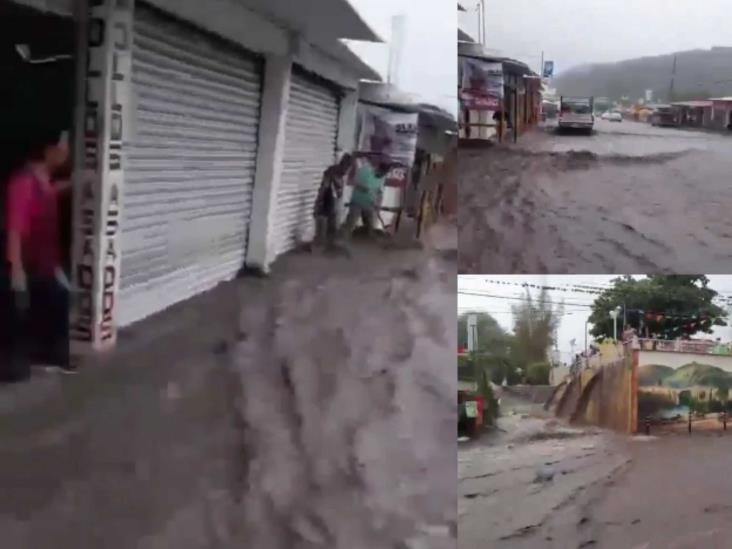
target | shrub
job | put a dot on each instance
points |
(538, 373)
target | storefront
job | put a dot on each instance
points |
(311, 133)
(199, 141)
(190, 165)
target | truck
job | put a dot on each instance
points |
(576, 113)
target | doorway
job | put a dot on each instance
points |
(37, 73)
(36, 91)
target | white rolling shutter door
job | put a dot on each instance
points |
(189, 170)
(310, 144)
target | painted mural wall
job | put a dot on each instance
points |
(670, 384)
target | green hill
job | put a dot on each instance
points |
(699, 74)
(698, 374)
(650, 374)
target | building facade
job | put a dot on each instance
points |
(201, 133)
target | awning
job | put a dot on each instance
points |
(328, 20)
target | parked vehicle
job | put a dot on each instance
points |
(576, 113)
(663, 116)
(615, 116)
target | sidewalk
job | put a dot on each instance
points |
(298, 410)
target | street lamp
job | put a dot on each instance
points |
(614, 315)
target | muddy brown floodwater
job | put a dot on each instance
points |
(630, 198)
(347, 408)
(542, 485)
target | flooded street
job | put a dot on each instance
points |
(629, 198)
(313, 408)
(536, 484)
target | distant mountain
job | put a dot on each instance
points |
(698, 374)
(698, 76)
(651, 374)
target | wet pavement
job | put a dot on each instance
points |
(311, 409)
(540, 485)
(629, 198)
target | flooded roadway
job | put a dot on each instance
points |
(629, 198)
(540, 485)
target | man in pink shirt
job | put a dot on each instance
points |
(39, 285)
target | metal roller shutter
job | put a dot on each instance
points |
(189, 170)
(310, 145)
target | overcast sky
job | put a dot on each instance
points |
(429, 67)
(576, 304)
(574, 32)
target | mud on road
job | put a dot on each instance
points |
(536, 483)
(626, 203)
(346, 406)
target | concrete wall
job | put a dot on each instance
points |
(607, 398)
(537, 394)
(676, 360)
(558, 374)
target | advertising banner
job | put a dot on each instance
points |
(481, 86)
(389, 134)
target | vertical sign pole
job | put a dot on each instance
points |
(98, 174)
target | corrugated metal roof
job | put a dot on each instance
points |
(699, 103)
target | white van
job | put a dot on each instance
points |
(576, 113)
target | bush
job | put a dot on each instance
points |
(538, 373)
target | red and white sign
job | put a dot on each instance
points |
(481, 84)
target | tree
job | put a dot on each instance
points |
(668, 306)
(536, 321)
(492, 355)
(490, 336)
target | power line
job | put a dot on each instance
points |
(480, 294)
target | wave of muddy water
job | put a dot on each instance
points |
(346, 407)
(627, 202)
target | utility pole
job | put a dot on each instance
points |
(541, 67)
(671, 87)
(482, 22)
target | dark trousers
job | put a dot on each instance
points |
(48, 322)
(14, 362)
(38, 334)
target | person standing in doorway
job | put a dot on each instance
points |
(368, 193)
(39, 286)
(326, 203)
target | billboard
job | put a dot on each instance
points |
(389, 133)
(548, 69)
(481, 85)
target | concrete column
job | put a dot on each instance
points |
(270, 153)
(347, 123)
(100, 131)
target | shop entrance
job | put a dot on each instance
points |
(36, 90)
(37, 73)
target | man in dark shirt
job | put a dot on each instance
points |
(326, 203)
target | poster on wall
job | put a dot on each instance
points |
(389, 134)
(481, 86)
